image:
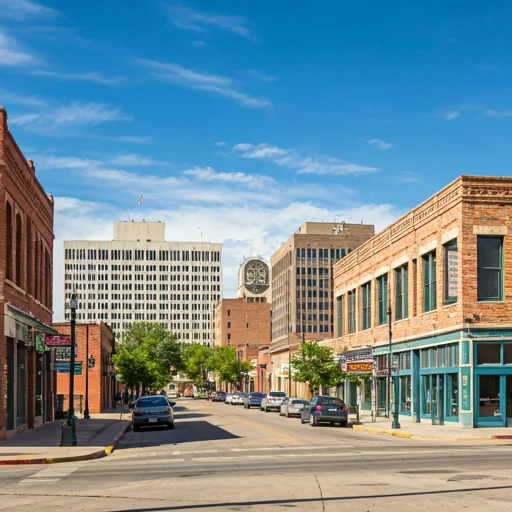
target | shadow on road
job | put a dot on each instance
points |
(188, 415)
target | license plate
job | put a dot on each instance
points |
(152, 420)
(330, 410)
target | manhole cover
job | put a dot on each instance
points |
(427, 472)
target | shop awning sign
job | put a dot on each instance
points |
(359, 367)
(57, 341)
(64, 366)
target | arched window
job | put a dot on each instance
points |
(19, 254)
(28, 245)
(36, 268)
(8, 241)
(47, 278)
(41, 271)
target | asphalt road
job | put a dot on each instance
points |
(222, 457)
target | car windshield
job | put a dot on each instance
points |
(258, 395)
(298, 401)
(278, 394)
(329, 400)
(152, 401)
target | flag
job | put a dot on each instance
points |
(140, 200)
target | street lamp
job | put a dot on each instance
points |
(86, 410)
(395, 424)
(68, 435)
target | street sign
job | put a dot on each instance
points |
(40, 342)
(63, 367)
(57, 341)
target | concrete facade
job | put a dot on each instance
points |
(26, 298)
(140, 276)
(99, 338)
(444, 271)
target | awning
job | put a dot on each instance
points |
(31, 321)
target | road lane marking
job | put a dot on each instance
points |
(49, 475)
(38, 480)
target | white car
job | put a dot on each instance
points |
(273, 401)
(292, 406)
(229, 397)
(238, 399)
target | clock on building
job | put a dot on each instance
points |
(256, 277)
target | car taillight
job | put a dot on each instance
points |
(167, 411)
(251, 398)
(318, 407)
(345, 408)
(138, 412)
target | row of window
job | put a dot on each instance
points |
(140, 255)
(336, 254)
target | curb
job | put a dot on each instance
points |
(407, 435)
(104, 452)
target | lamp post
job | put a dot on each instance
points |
(68, 434)
(86, 410)
(395, 424)
(390, 335)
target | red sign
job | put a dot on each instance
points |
(359, 367)
(57, 341)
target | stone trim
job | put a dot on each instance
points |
(424, 249)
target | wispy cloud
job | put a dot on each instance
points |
(129, 138)
(260, 75)
(379, 143)
(209, 174)
(450, 116)
(409, 177)
(91, 76)
(20, 10)
(199, 43)
(75, 114)
(189, 78)
(316, 164)
(219, 144)
(191, 19)
(498, 113)
(29, 101)
(135, 160)
(11, 54)
(49, 162)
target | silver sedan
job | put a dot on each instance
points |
(152, 411)
(292, 406)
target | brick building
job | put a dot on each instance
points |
(102, 384)
(444, 271)
(302, 290)
(26, 256)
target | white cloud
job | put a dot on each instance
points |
(498, 113)
(132, 159)
(50, 162)
(128, 138)
(379, 143)
(199, 43)
(29, 101)
(11, 53)
(220, 144)
(187, 18)
(20, 10)
(209, 174)
(409, 177)
(450, 116)
(91, 76)
(321, 165)
(260, 75)
(75, 114)
(191, 79)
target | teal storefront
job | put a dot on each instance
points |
(462, 378)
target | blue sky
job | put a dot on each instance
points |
(240, 120)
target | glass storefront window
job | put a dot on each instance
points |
(452, 395)
(507, 353)
(489, 399)
(405, 394)
(427, 395)
(488, 353)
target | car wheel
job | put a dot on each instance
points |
(343, 424)
(313, 421)
(261, 409)
(170, 425)
(288, 415)
(136, 428)
(266, 410)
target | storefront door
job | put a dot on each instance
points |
(491, 400)
(509, 400)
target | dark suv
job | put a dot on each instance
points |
(325, 409)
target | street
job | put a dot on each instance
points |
(222, 457)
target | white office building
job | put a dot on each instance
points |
(138, 276)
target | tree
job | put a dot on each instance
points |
(195, 363)
(224, 363)
(145, 356)
(315, 364)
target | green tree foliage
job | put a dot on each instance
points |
(225, 364)
(315, 365)
(145, 356)
(195, 363)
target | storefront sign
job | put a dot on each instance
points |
(57, 341)
(359, 367)
(40, 346)
(64, 366)
(452, 270)
(466, 389)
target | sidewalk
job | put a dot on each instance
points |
(96, 438)
(427, 431)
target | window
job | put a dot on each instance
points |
(229, 312)
(488, 353)
(366, 309)
(352, 312)
(401, 293)
(8, 244)
(405, 394)
(451, 272)
(382, 298)
(339, 306)
(429, 281)
(229, 325)
(490, 267)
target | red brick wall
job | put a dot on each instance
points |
(100, 346)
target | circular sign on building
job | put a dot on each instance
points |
(256, 277)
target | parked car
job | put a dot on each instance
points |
(272, 401)
(325, 409)
(219, 396)
(253, 400)
(292, 406)
(229, 397)
(150, 411)
(238, 399)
